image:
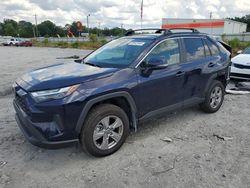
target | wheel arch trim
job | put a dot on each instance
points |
(91, 102)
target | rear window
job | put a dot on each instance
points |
(194, 48)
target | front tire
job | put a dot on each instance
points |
(105, 130)
(214, 97)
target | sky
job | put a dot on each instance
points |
(117, 13)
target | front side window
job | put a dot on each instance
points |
(118, 53)
(194, 48)
(168, 49)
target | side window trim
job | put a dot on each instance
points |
(205, 43)
(174, 38)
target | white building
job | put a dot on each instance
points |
(210, 26)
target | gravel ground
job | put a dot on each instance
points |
(196, 157)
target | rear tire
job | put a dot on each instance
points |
(105, 130)
(214, 97)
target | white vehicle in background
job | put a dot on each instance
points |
(12, 42)
(240, 68)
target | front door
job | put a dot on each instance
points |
(163, 88)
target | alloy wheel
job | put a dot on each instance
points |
(216, 97)
(108, 132)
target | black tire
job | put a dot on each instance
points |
(93, 119)
(206, 106)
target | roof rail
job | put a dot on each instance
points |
(157, 30)
(160, 31)
(185, 28)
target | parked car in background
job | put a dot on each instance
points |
(25, 43)
(12, 42)
(131, 79)
(240, 68)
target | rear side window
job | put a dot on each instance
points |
(194, 48)
(213, 48)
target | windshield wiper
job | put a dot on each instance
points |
(92, 64)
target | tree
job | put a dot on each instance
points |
(48, 28)
(9, 30)
(1, 29)
(10, 27)
(25, 29)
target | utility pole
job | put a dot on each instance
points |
(33, 29)
(99, 28)
(36, 31)
(88, 23)
(141, 12)
(122, 28)
(210, 16)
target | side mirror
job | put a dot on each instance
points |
(239, 52)
(156, 63)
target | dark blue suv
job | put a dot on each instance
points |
(98, 100)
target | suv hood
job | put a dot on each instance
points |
(243, 59)
(62, 75)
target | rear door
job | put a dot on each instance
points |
(196, 69)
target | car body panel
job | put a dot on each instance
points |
(61, 120)
(63, 74)
(240, 68)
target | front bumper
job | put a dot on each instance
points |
(34, 136)
(239, 73)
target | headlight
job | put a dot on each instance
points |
(45, 95)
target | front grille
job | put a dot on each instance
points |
(22, 104)
(240, 75)
(241, 66)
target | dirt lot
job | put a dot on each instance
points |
(194, 158)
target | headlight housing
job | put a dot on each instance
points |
(40, 96)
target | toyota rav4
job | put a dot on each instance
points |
(98, 100)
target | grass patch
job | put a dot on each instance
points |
(80, 45)
(237, 45)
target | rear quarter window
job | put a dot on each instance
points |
(213, 48)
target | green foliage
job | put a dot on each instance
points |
(103, 41)
(75, 44)
(46, 42)
(10, 30)
(50, 29)
(62, 44)
(25, 29)
(93, 37)
(235, 43)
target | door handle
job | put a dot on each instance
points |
(211, 64)
(180, 73)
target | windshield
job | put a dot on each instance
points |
(118, 53)
(246, 51)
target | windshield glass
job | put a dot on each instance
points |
(246, 51)
(118, 53)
